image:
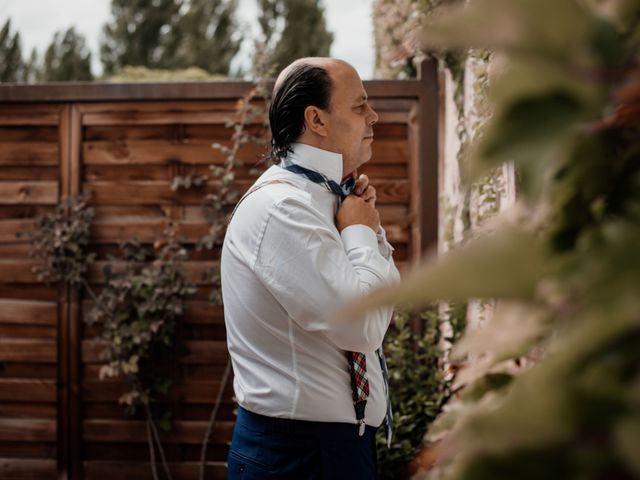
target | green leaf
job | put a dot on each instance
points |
(515, 26)
(627, 440)
(506, 264)
(510, 332)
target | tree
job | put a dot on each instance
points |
(11, 63)
(32, 67)
(305, 31)
(206, 35)
(67, 58)
(135, 34)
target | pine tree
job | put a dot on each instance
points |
(67, 58)
(206, 36)
(304, 34)
(11, 63)
(32, 68)
(271, 11)
(136, 32)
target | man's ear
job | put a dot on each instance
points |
(314, 120)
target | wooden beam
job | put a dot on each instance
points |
(165, 91)
(428, 134)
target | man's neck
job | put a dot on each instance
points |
(323, 161)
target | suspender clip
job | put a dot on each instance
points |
(361, 427)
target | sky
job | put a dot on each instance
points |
(37, 21)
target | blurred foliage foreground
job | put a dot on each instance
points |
(552, 381)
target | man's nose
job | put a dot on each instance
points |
(373, 116)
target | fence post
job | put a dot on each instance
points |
(428, 153)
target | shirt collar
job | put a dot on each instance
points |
(323, 161)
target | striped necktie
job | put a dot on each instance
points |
(357, 361)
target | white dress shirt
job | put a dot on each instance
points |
(284, 269)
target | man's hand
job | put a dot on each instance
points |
(363, 189)
(359, 208)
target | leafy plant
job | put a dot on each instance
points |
(138, 306)
(418, 384)
(550, 384)
(60, 242)
(138, 309)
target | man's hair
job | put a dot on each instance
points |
(304, 86)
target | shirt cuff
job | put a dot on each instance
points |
(358, 236)
(386, 249)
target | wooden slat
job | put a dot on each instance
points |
(35, 118)
(198, 313)
(28, 153)
(164, 91)
(14, 250)
(138, 452)
(43, 193)
(187, 393)
(158, 192)
(13, 230)
(23, 211)
(29, 371)
(109, 213)
(104, 470)
(27, 430)
(156, 118)
(183, 105)
(196, 272)
(200, 352)
(22, 450)
(146, 230)
(27, 331)
(188, 373)
(27, 410)
(27, 390)
(29, 134)
(27, 291)
(131, 431)
(391, 104)
(115, 172)
(29, 173)
(27, 350)
(17, 271)
(392, 117)
(161, 152)
(166, 152)
(200, 412)
(388, 152)
(28, 312)
(20, 468)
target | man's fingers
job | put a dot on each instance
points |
(362, 182)
(369, 194)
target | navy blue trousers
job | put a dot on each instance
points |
(266, 448)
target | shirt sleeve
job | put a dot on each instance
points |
(311, 270)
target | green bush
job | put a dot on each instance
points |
(417, 381)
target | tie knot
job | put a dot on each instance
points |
(316, 177)
(337, 189)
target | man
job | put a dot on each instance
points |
(310, 386)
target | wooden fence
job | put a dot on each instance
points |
(124, 144)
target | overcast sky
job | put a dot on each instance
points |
(37, 21)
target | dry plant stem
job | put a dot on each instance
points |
(93, 296)
(156, 435)
(152, 455)
(212, 418)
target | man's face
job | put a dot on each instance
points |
(350, 118)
